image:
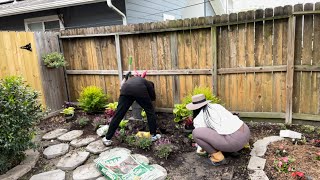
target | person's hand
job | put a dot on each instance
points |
(127, 75)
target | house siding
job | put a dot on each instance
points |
(141, 11)
(98, 14)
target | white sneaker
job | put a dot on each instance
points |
(155, 137)
(106, 141)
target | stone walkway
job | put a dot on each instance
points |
(75, 156)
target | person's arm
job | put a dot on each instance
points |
(151, 91)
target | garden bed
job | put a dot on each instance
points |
(182, 162)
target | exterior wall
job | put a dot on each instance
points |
(209, 11)
(244, 5)
(198, 8)
(140, 11)
(89, 15)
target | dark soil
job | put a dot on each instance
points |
(183, 163)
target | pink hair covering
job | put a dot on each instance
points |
(143, 75)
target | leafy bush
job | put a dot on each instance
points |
(19, 112)
(143, 143)
(163, 148)
(83, 121)
(181, 112)
(202, 90)
(54, 60)
(98, 121)
(92, 99)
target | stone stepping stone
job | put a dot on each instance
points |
(86, 172)
(140, 158)
(50, 175)
(56, 150)
(72, 160)
(83, 141)
(45, 144)
(54, 134)
(111, 152)
(102, 178)
(97, 147)
(70, 135)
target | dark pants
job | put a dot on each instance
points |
(124, 104)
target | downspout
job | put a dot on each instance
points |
(124, 18)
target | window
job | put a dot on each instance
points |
(45, 23)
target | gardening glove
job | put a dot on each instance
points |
(217, 157)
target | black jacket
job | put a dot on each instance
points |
(138, 87)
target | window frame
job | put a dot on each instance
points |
(42, 20)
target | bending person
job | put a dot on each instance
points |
(134, 89)
(217, 129)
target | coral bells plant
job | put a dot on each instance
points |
(163, 148)
(110, 110)
(298, 175)
(188, 123)
(283, 164)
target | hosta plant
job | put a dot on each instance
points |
(68, 111)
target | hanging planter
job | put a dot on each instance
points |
(54, 60)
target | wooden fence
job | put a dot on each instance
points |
(262, 63)
(29, 65)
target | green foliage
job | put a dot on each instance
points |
(92, 99)
(83, 121)
(144, 143)
(202, 90)
(121, 135)
(190, 136)
(54, 60)
(19, 112)
(131, 140)
(68, 111)
(163, 151)
(97, 122)
(123, 124)
(143, 114)
(112, 106)
(181, 112)
(283, 164)
(308, 128)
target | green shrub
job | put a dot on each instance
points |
(163, 148)
(181, 112)
(68, 111)
(19, 112)
(143, 143)
(54, 60)
(83, 121)
(202, 90)
(92, 99)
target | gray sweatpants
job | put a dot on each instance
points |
(212, 142)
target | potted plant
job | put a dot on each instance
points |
(54, 60)
(68, 112)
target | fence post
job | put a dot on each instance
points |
(174, 57)
(214, 60)
(118, 50)
(290, 68)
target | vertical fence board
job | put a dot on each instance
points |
(316, 61)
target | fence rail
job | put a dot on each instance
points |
(262, 63)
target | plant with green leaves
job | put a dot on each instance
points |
(190, 136)
(181, 112)
(123, 124)
(54, 60)
(143, 143)
(131, 140)
(68, 111)
(20, 110)
(143, 114)
(112, 106)
(83, 121)
(163, 148)
(92, 99)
